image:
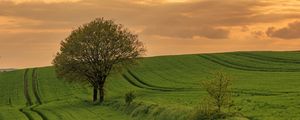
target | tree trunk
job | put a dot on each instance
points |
(95, 94)
(219, 109)
(101, 89)
(101, 93)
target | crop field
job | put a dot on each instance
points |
(266, 86)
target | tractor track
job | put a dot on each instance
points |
(35, 86)
(39, 113)
(146, 84)
(26, 89)
(30, 105)
(27, 96)
(141, 84)
(267, 58)
(232, 65)
(28, 115)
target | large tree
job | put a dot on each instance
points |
(92, 50)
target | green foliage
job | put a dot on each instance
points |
(219, 97)
(92, 50)
(219, 90)
(129, 97)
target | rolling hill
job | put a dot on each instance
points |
(265, 86)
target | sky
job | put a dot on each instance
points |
(31, 30)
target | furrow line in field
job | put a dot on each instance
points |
(131, 82)
(140, 86)
(267, 58)
(28, 98)
(39, 113)
(35, 86)
(28, 116)
(26, 89)
(36, 95)
(244, 67)
(26, 94)
(147, 84)
(158, 87)
(212, 59)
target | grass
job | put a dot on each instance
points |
(265, 86)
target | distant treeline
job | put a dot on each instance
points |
(6, 70)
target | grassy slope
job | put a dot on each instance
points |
(266, 86)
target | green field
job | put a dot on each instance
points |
(266, 86)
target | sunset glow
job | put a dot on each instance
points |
(43, 1)
(31, 30)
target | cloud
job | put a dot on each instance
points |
(176, 19)
(258, 34)
(292, 31)
(212, 13)
(188, 32)
(25, 49)
(44, 1)
(205, 18)
(180, 22)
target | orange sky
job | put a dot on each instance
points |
(31, 30)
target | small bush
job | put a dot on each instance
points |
(218, 103)
(129, 97)
(219, 90)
